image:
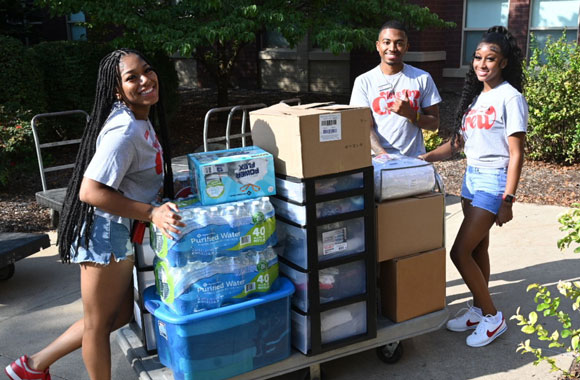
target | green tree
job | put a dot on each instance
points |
(214, 31)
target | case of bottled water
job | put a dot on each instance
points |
(218, 230)
(209, 285)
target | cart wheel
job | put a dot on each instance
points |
(322, 375)
(390, 353)
(6, 272)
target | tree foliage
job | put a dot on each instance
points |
(214, 31)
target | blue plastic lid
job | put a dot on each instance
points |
(281, 288)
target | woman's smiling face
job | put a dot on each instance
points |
(488, 63)
(139, 85)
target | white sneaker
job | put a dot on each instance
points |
(466, 321)
(487, 330)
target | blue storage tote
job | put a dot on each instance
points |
(224, 342)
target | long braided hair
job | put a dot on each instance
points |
(512, 73)
(75, 213)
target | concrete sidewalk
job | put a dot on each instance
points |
(43, 299)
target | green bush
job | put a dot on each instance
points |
(552, 85)
(432, 140)
(16, 146)
(22, 82)
(70, 72)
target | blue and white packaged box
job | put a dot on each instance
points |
(230, 175)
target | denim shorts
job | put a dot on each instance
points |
(106, 238)
(484, 187)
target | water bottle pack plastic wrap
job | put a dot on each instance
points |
(216, 231)
(201, 285)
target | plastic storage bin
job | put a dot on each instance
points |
(334, 240)
(224, 342)
(335, 283)
(297, 213)
(335, 325)
(289, 188)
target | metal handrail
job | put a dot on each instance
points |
(227, 137)
(39, 146)
(206, 126)
(242, 133)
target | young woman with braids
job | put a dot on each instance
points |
(491, 125)
(119, 171)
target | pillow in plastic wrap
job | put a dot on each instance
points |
(398, 176)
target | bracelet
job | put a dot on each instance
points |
(418, 117)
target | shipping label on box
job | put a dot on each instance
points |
(413, 285)
(313, 140)
(409, 225)
(233, 174)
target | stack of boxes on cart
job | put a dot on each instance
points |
(410, 237)
(218, 306)
(325, 219)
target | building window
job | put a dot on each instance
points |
(552, 17)
(76, 30)
(479, 16)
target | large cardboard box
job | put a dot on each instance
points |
(413, 285)
(409, 225)
(313, 140)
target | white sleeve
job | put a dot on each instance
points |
(516, 111)
(359, 96)
(431, 96)
(113, 158)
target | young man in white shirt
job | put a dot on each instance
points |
(403, 99)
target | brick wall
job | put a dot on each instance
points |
(518, 21)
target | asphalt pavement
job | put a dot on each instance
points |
(43, 299)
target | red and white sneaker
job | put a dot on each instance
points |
(466, 321)
(487, 330)
(19, 370)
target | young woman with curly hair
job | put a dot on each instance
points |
(490, 126)
(120, 169)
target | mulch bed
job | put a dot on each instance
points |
(541, 183)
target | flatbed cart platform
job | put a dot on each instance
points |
(15, 246)
(148, 367)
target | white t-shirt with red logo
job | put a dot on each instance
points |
(492, 117)
(378, 91)
(128, 158)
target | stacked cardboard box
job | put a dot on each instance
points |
(411, 255)
(325, 219)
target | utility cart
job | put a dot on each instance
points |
(389, 335)
(15, 246)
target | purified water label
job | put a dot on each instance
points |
(330, 127)
(334, 241)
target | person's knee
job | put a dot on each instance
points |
(457, 256)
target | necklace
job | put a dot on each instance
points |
(390, 84)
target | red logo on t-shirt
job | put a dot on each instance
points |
(480, 118)
(386, 99)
